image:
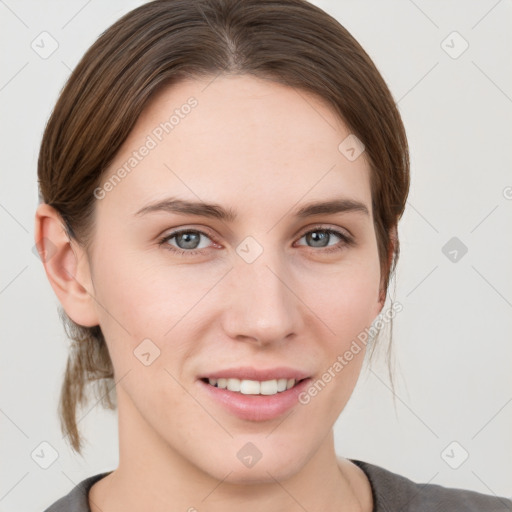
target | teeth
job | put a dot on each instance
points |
(249, 387)
(254, 387)
(281, 384)
(268, 387)
(233, 385)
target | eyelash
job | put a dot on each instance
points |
(345, 240)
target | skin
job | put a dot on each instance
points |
(263, 150)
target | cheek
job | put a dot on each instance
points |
(348, 312)
(347, 304)
(141, 301)
(352, 310)
(140, 305)
(346, 301)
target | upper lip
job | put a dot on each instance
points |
(260, 374)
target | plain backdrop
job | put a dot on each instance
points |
(448, 67)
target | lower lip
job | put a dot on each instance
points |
(256, 407)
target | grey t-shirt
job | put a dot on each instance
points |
(391, 493)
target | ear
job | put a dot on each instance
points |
(66, 265)
(393, 237)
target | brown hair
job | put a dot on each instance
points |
(155, 45)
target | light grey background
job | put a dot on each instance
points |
(452, 341)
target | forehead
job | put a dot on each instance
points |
(236, 138)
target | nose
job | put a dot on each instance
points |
(263, 307)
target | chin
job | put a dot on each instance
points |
(260, 473)
(245, 463)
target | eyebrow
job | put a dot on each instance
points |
(201, 209)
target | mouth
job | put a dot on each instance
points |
(252, 399)
(253, 387)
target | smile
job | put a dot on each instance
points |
(253, 387)
(254, 400)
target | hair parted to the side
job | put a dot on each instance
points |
(290, 42)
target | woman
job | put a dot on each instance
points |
(221, 183)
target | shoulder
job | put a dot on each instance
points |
(77, 500)
(395, 492)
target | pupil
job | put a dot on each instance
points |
(189, 240)
(318, 236)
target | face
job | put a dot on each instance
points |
(247, 290)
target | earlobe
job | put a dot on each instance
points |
(66, 265)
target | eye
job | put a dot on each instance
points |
(188, 241)
(319, 237)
